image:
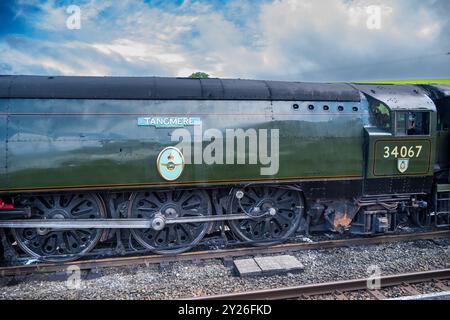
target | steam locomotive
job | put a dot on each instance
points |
(163, 163)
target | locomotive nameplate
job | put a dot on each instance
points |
(402, 157)
(168, 122)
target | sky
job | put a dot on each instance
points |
(295, 40)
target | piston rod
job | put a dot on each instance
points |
(114, 223)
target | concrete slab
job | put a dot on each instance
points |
(277, 264)
(269, 265)
(290, 263)
(247, 267)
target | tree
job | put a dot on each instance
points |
(199, 75)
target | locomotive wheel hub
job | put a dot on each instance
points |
(162, 206)
(272, 211)
(158, 222)
(170, 212)
(42, 231)
(55, 244)
(267, 206)
(58, 214)
(277, 219)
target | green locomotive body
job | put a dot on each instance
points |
(80, 146)
(351, 157)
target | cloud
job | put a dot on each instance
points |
(320, 41)
(307, 40)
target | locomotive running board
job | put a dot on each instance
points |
(114, 223)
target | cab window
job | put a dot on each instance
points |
(409, 123)
(380, 115)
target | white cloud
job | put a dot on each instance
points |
(283, 39)
(133, 50)
(429, 31)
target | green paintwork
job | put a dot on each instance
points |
(420, 165)
(445, 81)
(56, 144)
(378, 166)
(95, 144)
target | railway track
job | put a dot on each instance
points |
(340, 288)
(214, 254)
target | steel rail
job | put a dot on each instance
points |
(216, 254)
(331, 287)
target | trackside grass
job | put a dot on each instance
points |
(413, 81)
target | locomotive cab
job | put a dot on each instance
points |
(400, 143)
(399, 153)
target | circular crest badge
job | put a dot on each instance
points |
(170, 163)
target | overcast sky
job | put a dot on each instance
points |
(303, 40)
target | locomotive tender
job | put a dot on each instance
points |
(163, 162)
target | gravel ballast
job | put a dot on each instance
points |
(187, 279)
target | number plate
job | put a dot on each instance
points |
(391, 157)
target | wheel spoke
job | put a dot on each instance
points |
(172, 204)
(54, 245)
(285, 222)
(285, 200)
(38, 205)
(262, 229)
(252, 197)
(187, 232)
(185, 195)
(192, 205)
(70, 203)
